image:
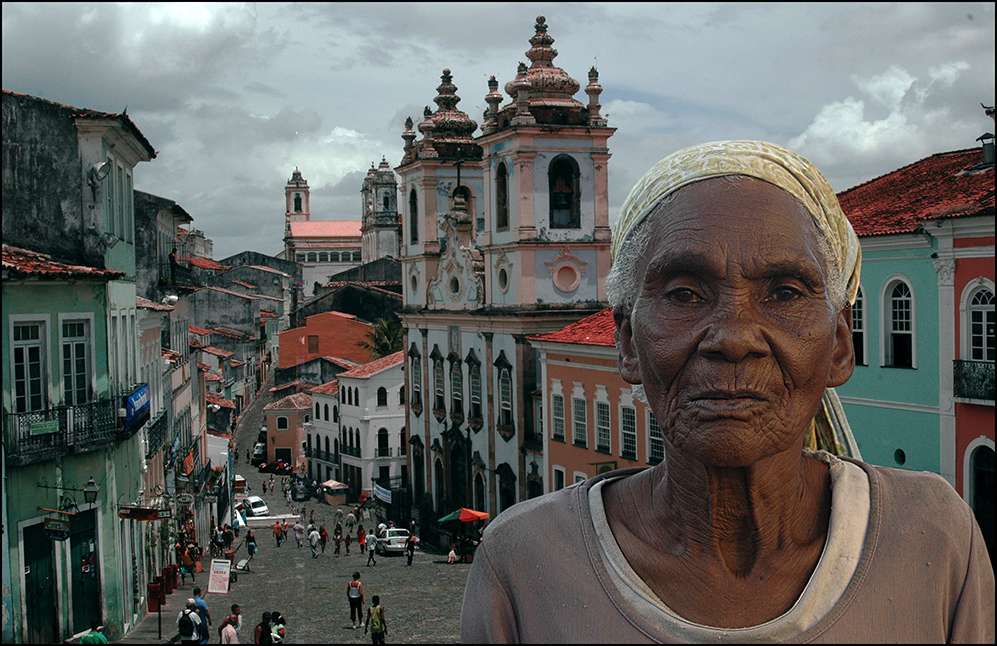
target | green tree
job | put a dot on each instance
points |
(383, 339)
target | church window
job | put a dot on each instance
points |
(564, 193)
(439, 402)
(413, 217)
(501, 197)
(456, 388)
(505, 397)
(297, 202)
(387, 203)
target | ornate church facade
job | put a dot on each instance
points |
(504, 235)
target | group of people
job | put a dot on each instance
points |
(187, 553)
(222, 540)
(194, 622)
(375, 621)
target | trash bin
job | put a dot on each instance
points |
(230, 556)
(154, 589)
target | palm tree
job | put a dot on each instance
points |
(383, 339)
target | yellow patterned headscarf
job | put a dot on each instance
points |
(829, 430)
(769, 162)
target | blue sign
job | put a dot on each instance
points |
(137, 408)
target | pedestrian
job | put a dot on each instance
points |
(323, 536)
(229, 536)
(313, 540)
(278, 533)
(354, 594)
(204, 614)
(350, 522)
(236, 615)
(381, 528)
(311, 517)
(94, 636)
(337, 537)
(271, 482)
(264, 487)
(410, 547)
(347, 539)
(371, 543)
(299, 533)
(278, 627)
(187, 561)
(263, 634)
(227, 631)
(361, 538)
(250, 547)
(287, 494)
(452, 556)
(188, 623)
(376, 622)
(339, 515)
(248, 460)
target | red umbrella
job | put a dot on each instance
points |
(464, 515)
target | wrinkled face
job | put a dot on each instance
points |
(732, 333)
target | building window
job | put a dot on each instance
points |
(325, 408)
(317, 409)
(30, 378)
(413, 217)
(858, 328)
(297, 202)
(356, 256)
(580, 420)
(401, 395)
(312, 257)
(382, 396)
(603, 432)
(558, 478)
(655, 440)
(557, 415)
(439, 402)
(565, 212)
(323, 256)
(628, 433)
(282, 424)
(416, 380)
(900, 339)
(456, 389)
(501, 197)
(387, 203)
(505, 397)
(981, 325)
(474, 376)
(75, 362)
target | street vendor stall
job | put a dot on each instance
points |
(335, 492)
(464, 544)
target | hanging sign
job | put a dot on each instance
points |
(56, 529)
(383, 494)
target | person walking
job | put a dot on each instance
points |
(361, 538)
(263, 634)
(337, 537)
(323, 537)
(251, 548)
(278, 533)
(205, 616)
(299, 532)
(264, 487)
(371, 544)
(187, 566)
(228, 630)
(278, 627)
(376, 622)
(313, 540)
(410, 547)
(354, 594)
(350, 523)
(347, 539)
(188, 624)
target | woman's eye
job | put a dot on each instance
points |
(785, 293)
(684, 295)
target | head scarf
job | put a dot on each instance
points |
(769, 162)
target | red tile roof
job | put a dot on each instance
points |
(297, 385)
(145, 303)
(368, 370)
(330, 388)
(21, 263)
(944, 185)
(597, 329)
(297, 401)
(342, 363)
(244, 284)
(269, 269)
(218, 352)
(326, 229)
(200, 331)
(232, 334)
(205, 263)
(171, 356)
(212, 376)
(215, 398)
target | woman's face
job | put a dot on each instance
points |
(733, 334)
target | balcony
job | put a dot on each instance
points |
(973, 379)
(156, 434)
(350, 450)
(383, 452)
(60, 430)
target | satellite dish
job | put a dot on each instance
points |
(100, 170)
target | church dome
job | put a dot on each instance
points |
(549, 84)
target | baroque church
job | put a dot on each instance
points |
(505, 234)
(324, 248)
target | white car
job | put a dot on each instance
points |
(391, 540)
(255, 506)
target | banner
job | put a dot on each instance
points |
(383, 494)
(218, 577)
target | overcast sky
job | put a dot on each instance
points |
(233, 97)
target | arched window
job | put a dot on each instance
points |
(981, 325)
(334, 256)
(402, 441)
(317, 405)
(474, 376)
(440, 487)
(479, 492)
(297, 202)
(899, 339)
(323, 256)
(416, 380)
(356, 435)
(356, 396)
(401, 395)
(438, 403)
(282, 424)
(326, 407)
(312, 257)
(382, 396)
(505, 397)
(456, 389)
(326, 446)
(356, 256)
(383, 451)
(501, 197)
(464, 192)
(413, 217)
(387, 203)
(858, 328)
(335, 414)
(563, 186)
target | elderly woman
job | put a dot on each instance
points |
(733, 273)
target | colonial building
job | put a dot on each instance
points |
(504, 235)
(381, 230)
(922, 394)
(320, 247)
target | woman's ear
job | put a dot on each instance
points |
(629, 363)
(843, 354)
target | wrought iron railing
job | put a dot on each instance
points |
(156, 433)
(318, 454)
(350, 450)
(382, 452)
(973, 379)
(43, 435)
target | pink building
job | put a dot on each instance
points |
(285, 422)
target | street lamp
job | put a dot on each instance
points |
(90, 491)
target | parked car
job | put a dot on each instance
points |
(392, 541)
(279, 468)
(259, 454)
(256, 506)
